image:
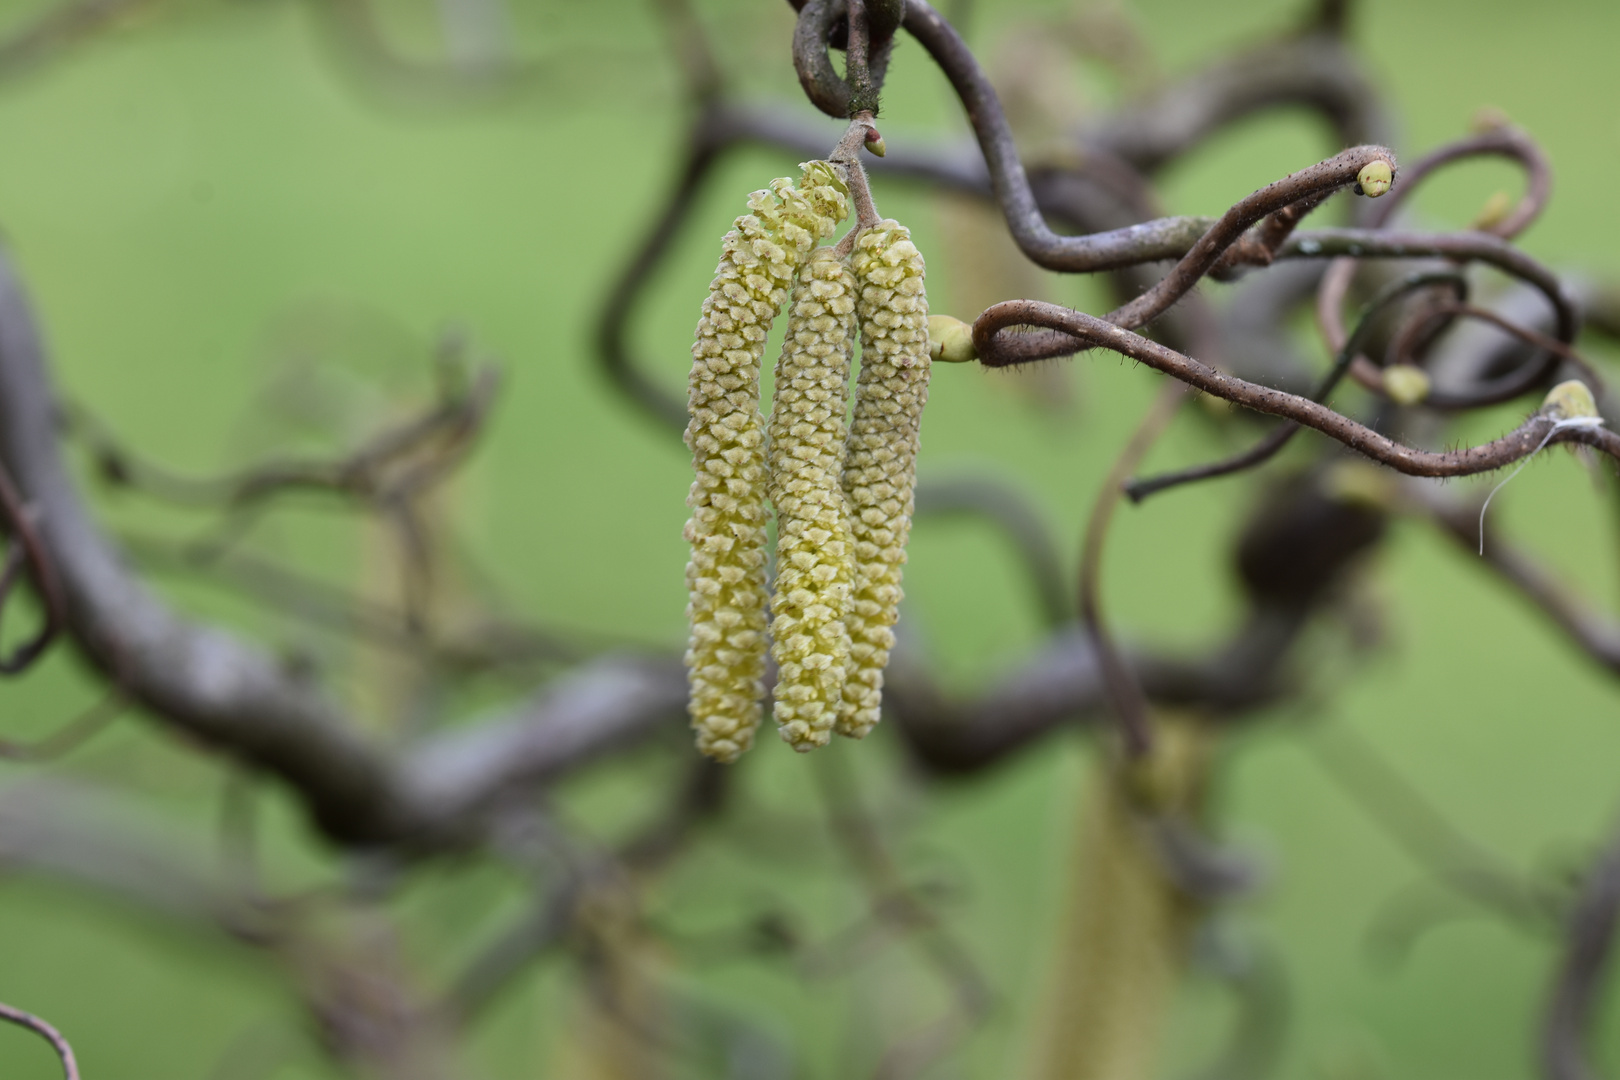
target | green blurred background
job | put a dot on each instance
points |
(211, 191)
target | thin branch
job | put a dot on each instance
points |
(1268, 447)
(1589, 941)
(70, 736)
(1530, 336)
(30, 547)
(1018, 519)
(1315, 71)
(1165, 238)
(401, 460)
(1303, 189)
(700, 69)
(1067, 332)
(1595, 634)
(70, 1066)
(1508, 142)
(1130, 705)
(1408, 816)
(59, 27)
(895, 901)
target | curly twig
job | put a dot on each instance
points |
(1069, 331)
(1506, 141)
(1268, 447)
(70, 1066)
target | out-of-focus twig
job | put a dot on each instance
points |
(1130, 706)
(1588, 943)
(1017, 518)
(70, 1065)
(73, 734)
(895, 901)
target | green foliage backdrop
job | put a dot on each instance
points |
(212, 191)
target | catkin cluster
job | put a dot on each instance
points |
(843, 492)
(880, 471)
(726, 574)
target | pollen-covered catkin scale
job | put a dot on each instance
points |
(725, 578)
(880, 472)
(814, 559)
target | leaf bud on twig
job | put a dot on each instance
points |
(1406, 384)
(1569, 401)
(1374, 178)
(950, 340)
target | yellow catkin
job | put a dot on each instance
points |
(880, 472)
(726, 575)
(814, 559)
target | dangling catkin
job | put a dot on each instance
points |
(814, 559)
(726, 575)
(880, 472)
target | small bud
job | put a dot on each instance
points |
(1569, 400)
(1496, 210)
(950, 340)
(1405, 384)
(1356, 483)
(874, 143)
(1488, 118)
(1375, 177)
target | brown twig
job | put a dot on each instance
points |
(1274, 441)
(402, 460)
(847, 154)
(70, 1066)
(1130, 705)
(1425, 320)
(70, 736)
(895, 901)
(28, 547)
(1506, 142)
(1595, 634)
(1588, 943)
(1067, 332)
(1303, 190)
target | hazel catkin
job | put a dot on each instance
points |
(725, 576)
(880, 469)
(814, 559)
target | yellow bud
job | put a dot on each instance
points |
(950, 340)
(1405, 384)
(1569, 400)
(1488, 118)
(1361, 484)
(1375, 178)
(1496, 209)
